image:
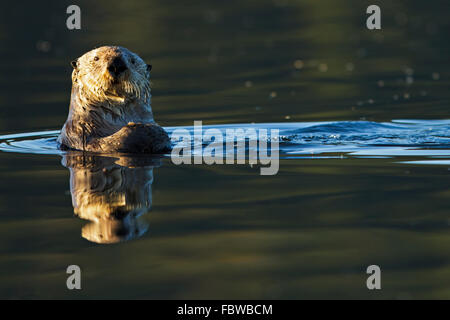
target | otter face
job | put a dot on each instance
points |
(112, 74)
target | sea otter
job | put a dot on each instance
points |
(110, 105)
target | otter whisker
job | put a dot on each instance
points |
(104, 100)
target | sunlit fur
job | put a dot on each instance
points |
(110, 109)
(97, 85)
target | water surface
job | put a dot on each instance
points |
(358, 184)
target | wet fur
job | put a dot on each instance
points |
(110, 114)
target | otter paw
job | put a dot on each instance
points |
(143, 138)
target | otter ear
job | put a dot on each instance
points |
(74, 63)
(149, 67)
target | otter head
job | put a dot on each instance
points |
(112, 75)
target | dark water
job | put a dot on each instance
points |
(357, 185)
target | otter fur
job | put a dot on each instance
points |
(110, 105)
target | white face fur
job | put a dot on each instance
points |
(111, 75)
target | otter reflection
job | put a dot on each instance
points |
(112, 193)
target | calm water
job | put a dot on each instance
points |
(364, 169)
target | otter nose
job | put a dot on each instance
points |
(117, 66)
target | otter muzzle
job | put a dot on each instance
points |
(117, 66)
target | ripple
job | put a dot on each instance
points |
(362, 139)
(42, 142)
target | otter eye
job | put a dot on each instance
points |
(95, 58)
